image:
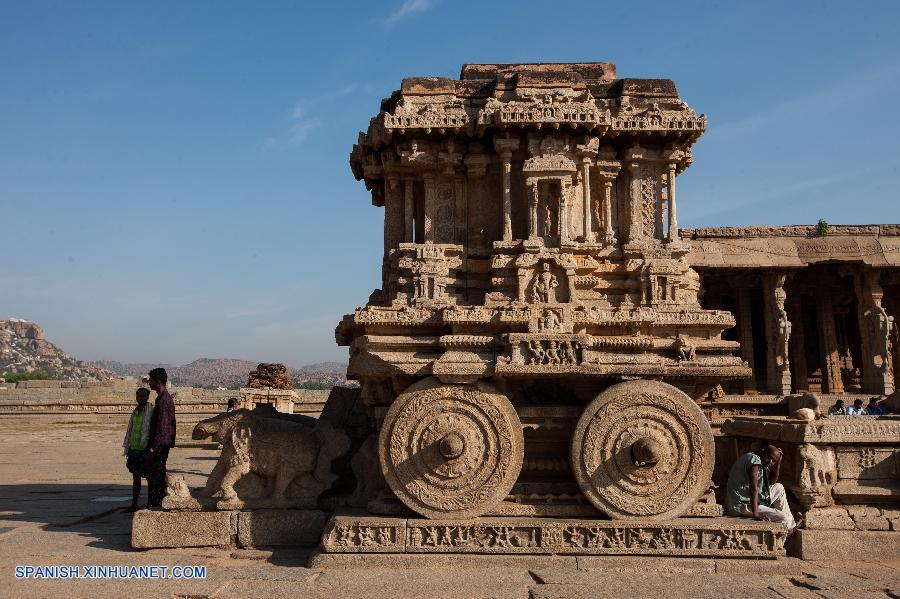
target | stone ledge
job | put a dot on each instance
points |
(152, 529)
(843, 544)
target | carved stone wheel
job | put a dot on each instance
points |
(451, 451)
(643, 449)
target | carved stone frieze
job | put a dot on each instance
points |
(701, 537)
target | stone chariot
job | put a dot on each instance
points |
(537, 346)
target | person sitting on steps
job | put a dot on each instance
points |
(754, 491)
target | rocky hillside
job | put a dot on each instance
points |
(224, 372)
(24, 349)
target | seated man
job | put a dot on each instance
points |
(750, 494)
(837, 409)
(856, 409)
(873, 409)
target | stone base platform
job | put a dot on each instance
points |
(843, 544)
(682, 537)
(153, 529)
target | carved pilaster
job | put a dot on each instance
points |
(875, 329)
(533, 201)
(394, 227)
(745, 330)
(430, 209)
(778, 333)
(831, 359)
(408, 211)
(587, 152)
(798, 343)
(673, 220)
(564, 192)
(505, 147)
(645, 194)
(461, 212)
(609, 170)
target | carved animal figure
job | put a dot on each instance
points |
(278, 449)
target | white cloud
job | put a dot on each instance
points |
(409, 8)
(303, 120)
(301, 124)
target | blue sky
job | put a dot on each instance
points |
(174, 180)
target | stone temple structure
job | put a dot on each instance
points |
(551, 364)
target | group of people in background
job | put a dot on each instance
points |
(857, 409)
(149, 437)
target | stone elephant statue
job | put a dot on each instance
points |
(292, 455)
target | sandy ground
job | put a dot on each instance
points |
(63, 489)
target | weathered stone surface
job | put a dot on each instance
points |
(842, 430)
(270, 376)
(276, 528)
(868, 518)
(839, 544)
(725, 537)
(154, 529)
(834, 518)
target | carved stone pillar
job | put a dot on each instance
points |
(831, 359)
(563, 212)
(778, 333)
(673, 220)
(608, 168)
(587, 151)
(505, 147)
(586, 207)
(408, 211)
(394, 227)
(798, 343)
(533, 200)
(429, 210)
(745, 330)
(461, 212)
(875, 329)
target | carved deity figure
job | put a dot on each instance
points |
(538, 353)
(553, 352)
(544, 285)
(783, 332)
(567, 353)
(882, 325)
(684, 350)
(550, 321)
(548, 222)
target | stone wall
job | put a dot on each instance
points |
(113, 401)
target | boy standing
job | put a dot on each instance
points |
(137, 438)
(162, 437)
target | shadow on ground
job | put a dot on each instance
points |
(90, 510)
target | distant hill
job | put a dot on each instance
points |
(227, 372)
(24, 350)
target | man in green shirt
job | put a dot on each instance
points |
(750, 493)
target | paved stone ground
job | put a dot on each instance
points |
(62, 490)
